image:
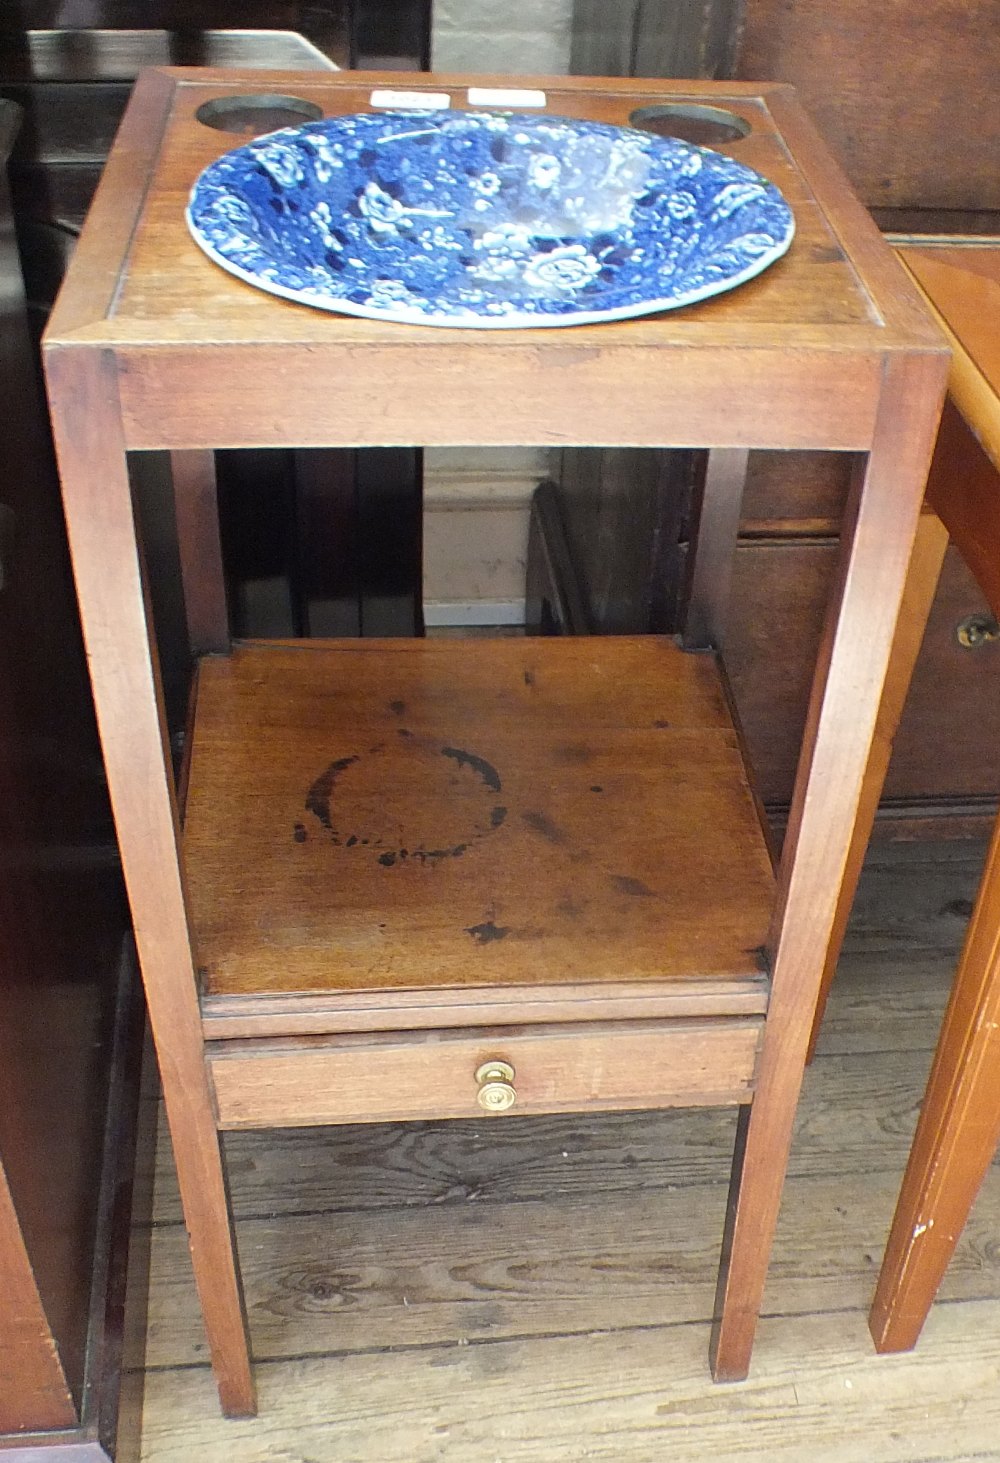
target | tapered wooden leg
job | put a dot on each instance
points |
(918, 596)
(840, 726)
(90, 446)
(196, 512)
(957, 1134)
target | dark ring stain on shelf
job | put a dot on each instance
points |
(318, 796)
(319, 802)
(488, 773)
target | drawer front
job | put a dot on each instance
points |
(948, 744)
(424, 1075)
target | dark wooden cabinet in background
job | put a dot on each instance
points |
(783, 574)
(905, 96)
(70, 1014)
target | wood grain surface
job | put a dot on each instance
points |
(610, 1397)
(916, 134)
(536, 1291)
(364, 814)
(496, 1270)
(33, 1387)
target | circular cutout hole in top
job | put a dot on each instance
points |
(253, 116)
(689, 122)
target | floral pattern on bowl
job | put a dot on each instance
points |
(486, 219)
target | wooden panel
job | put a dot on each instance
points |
(417, 814)
(964, 489)
(796, 492)
(355, 1079)
(777, 606)
(918, 132)
(621, 513)
(634, 38)
(797, 399)
(60, 912)
(33, 1388)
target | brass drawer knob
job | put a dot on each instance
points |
(496, 1086)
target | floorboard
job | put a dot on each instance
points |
(536, 1291)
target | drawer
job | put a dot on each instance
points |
(424, 1075)
(948, 744)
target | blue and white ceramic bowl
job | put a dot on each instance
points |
(480, 219)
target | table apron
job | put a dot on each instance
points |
(272, 397)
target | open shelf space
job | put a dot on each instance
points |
(452, 821)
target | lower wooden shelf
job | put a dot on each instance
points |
(390, 834)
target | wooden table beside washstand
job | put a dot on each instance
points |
(419, 878)
(959, 1125)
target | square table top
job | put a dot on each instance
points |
(205, 359)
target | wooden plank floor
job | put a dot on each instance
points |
(537, 1291)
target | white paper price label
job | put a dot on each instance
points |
(410, 101)
(505, 96)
